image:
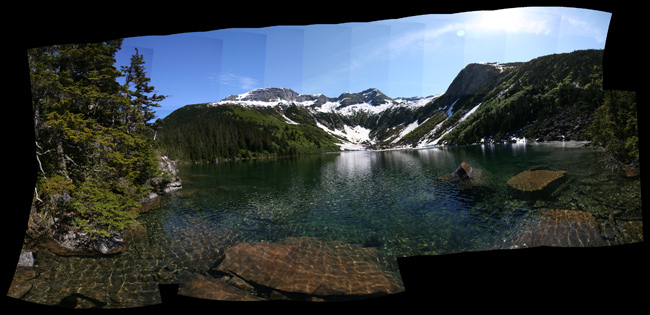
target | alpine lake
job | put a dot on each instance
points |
(399, 202)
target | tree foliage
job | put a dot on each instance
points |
(204, 133)
(615, 127)
(93, 148)
(533, 92)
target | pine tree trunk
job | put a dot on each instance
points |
(63, 167)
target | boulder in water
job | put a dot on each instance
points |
(463, 171)
(466, 174)
(311, 266)
(205, 287)
(537, 184)
(560, 228)
(22, 282)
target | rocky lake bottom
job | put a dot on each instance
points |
(331, 227)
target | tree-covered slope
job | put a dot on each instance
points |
(205, 133)
(497, 101)
(567, 84)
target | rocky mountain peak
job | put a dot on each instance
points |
(266, 95)
(371, 96)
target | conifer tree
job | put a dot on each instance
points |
(140, 110)
(93, 167)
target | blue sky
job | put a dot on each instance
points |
(412, 56)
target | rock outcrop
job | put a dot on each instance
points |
(308, 266)
(169, 182)
(464, 171)
(466, 174)
(71, 243)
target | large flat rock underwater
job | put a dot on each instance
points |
(311, 269)
(558, 228)
(535, 184)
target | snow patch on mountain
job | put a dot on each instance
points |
(353, 138)
(450, 110)
(471, 111)
(427, 141)
(501, 66)
(364, 107)
(288, 120)
(406, 130)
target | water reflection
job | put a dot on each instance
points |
(395, 201)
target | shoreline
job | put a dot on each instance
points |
(583, 143)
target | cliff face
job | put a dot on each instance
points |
(471, 79)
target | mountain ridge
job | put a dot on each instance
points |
(277, 95)
(486, 102)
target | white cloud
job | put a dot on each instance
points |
(586, 28)
(240, 81)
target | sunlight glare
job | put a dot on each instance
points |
(510, 21)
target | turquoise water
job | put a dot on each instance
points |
(394, 201)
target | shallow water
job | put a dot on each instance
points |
(394, 201)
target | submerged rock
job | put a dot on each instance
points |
(22, 281)
(205, 287)
(535, 184)
(463, 171)
(465, 174)
(310, 266)
(561, 228)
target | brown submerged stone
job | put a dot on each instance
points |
(203, 287)
(463, 171)
(310, 266)
(534, 183)
(561, 228)
(466, 174)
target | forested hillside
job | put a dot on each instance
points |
(555, 98)
(570, 84)
(95, 151)
(204, 133)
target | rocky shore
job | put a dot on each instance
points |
(566, 125)
(66, 242)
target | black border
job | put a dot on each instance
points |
(522, 280)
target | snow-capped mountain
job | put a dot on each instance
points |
(550, 97)
(273, 97)
(349, 116)
(370, 99)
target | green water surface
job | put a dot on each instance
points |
(394, 201)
